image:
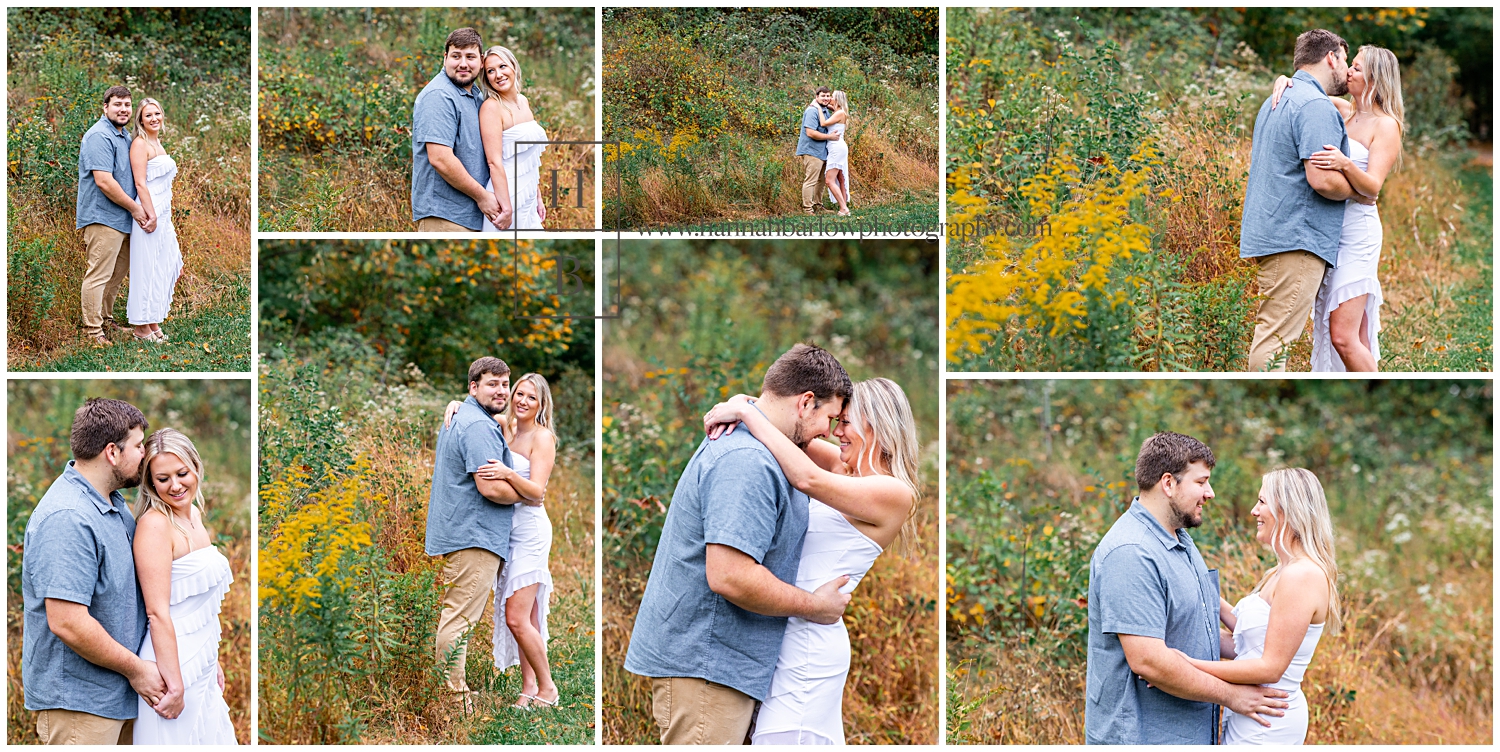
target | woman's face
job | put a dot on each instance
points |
(1357, 80)
(524, 402)
(1265, 522)
(173, 480)
(500, 74)
(852, 443)
(152, 118)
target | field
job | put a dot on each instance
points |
(216, 416)
(1099, 193)
(197, 64)
(702, 321)
(349, 599)
(336, 92)
(1039, 470)
(706, 104)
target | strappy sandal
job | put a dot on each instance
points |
(551, 704)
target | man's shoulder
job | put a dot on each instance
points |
(63, 504)
(1126, 536)
(739, 447)
(433, 87)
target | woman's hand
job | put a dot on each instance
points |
(495, 470)
(541, 209)
(1282, 84)
(503, 221)
(220, 668)
(451, 411)
(722, 419)
(1331, 159)
(171, 703)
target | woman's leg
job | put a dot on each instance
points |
(520, 612)
(1345, 328)
(835, 186)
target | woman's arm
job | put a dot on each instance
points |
(1300, 595)
(533, 490)
(837, 117)
(153, 569)
(1385, 146)
(491, 134)
(877, 499)
(138, 159)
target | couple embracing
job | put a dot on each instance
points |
(469, 173)
(823, 150)
(121, 636)
(125, 212)
(741, 626)
(1317, 164)
(1165, 651)
(487, 519)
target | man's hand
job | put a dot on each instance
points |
(172, 703)
(489, 206)
(150, 225)
(140, 216)
(147, 682)
(830, 602)
(836, 136)
(1256, 701)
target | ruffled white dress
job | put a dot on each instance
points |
(838, 158)
(530, 545)
(806, 701)
(200, 580)
(523, 171)
(1252, 615)
(155, 257)
(1355, 275)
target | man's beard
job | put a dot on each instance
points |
(1187, 519)
(1339, 87)
(462, 84)
(799, 437)
(127, 481)
(487, 407)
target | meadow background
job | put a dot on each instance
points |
(1103, 154)
(701, 321)
(707, 105)
(336, 92)
(364, 344)
(1039, 470)
(196, 62)
(215, 414)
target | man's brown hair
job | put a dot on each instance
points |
(1313, 45)
(808, 368)
(487, 366)
(116, 92)
(463, 39)
(1166, 453)
(823, 90)
(101, 422)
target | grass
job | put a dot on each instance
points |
(911, 216)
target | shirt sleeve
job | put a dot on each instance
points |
(1318, 124)
(61, 559)
(96, 153)
(1133, 599)
(481, 444)
(810, 119)
(739, 498)
(434, 121)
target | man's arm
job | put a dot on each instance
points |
(79, 630)
(1165, 669)
(112, 191)
(749, 585)
(1330, 184)
(813, 134)
(498, 491)
(452, 170)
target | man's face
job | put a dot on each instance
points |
(1187, 493)
(117, 111)
(462, 65)
(1339, 61)
(813, 420)
(127, 459)
(491, 392)
(825, 98)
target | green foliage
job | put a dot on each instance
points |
(30, 279)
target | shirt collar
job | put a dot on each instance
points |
(1302, 75)
(1168, 539)
(105, 505)
(114, 130)
(472, 92)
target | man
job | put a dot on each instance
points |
(812, 147)
(1294, 212)
(448, 168)
(85, 619)
(106, 208)
(468, 517)
(710, 624)
(1150, 595)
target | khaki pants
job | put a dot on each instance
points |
(1289, 285)
(109, 263)
(76, 727)
(438, 224)
(471, 574)
(812, 182)
(696, 711)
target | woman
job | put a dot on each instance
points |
(504, 119)
(863, 495)
(1275, 629)
(1346, 314)
(183, 582)
(836, 170)
(155, 258)
(521, 602)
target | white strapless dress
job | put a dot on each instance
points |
(805, 704)
(530, 545)
(200, 580)
(1252, 615)
(838, 156)
(155, 257)
(1356, 274)
(523, 173)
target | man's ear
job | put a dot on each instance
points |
(1167, 478)
(806, 403)
(111, 452)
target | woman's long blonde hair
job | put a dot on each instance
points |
(543, 402)
(878, 410)
(1300, 510)
(174, 442)
(1383, 86)
(842, 100)
(513, 104)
